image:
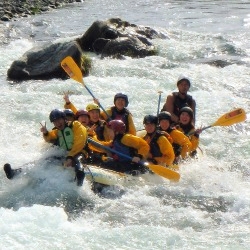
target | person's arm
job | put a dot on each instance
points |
(50, 136)
(167, 151)
(68, 104)
(80, 139)
(169, 106)
(104, 116)
(194, 139)
(137, 143)
(131, 125)
(182, 140)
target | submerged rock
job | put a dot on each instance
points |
(221, 61)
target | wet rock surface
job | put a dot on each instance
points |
(113, 38)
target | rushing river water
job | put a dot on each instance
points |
(208, 209)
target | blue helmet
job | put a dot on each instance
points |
(120, 95)
(68, 112)
(56, 114)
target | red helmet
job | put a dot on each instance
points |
(117, 126)
(81, 112)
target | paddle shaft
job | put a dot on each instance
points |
(112, 150)
(99, 104)
(73, 71)
(204, 128)
(210, 126)
(159, 102)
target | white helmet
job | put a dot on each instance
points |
(182, 77)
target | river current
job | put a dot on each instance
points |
(208, 209)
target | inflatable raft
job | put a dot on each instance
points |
(104, 176)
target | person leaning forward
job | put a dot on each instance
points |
(161, 150)
(71, 136)
(180, 99)
(127, 144)
(180, 142)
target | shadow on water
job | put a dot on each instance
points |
(34, 193)
(203, 203)
(72, 203)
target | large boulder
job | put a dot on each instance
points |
(113, 38)
(118, 38)
(44, 62)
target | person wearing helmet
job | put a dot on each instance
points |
(180, 99)
(94, 154)
(186, 126)
(120, 112)
(95, 126)
(97, 123)
(161, 150)
(69, 114)
(127, 144)
(83, 117)
(181, 143)
(72, 137)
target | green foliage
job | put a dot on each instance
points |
(86, 63)
(35, 10)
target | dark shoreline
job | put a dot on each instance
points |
(10, 9)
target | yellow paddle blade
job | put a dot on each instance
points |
(232, 117)
(174, 167)
(164, 172)
(72, 69)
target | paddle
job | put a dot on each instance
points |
(157, 169)
(74, 72)
(158, 109)
(228, 119)
(159, 102)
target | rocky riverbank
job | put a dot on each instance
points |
(10, 9)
